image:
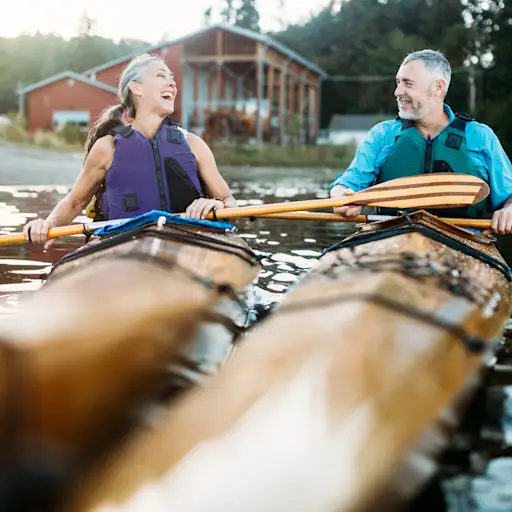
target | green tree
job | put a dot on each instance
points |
(247, 15)
(228, 13)
(493, 54)
(368, 38)
(207, 16)
(28, 59)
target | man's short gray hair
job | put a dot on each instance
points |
(435, 62)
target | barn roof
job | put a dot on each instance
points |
(67, 74)
(272, 43)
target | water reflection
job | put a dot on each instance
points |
(289, 247)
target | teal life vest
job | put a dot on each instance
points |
(412, 154)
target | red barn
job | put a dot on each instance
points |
(230, 80)
(66, 98)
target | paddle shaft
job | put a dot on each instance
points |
(333, 217)
(409, 198)
(75, 229)
(244, 211)
(424, 191)
(72, 229)
(78, 229)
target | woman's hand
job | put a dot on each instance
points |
(200, 208)
(36, 231)
(86, 185)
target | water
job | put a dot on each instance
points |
(290, 247)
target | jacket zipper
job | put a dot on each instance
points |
(428, 156)
(159, 177)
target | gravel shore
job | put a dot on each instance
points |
(26, 165)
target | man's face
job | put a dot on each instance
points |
(416, 90)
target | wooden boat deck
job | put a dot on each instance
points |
(329, 398)
(85, 353)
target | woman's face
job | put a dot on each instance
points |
(157, 90)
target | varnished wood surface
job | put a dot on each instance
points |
(358, 219)
(324, 400)
(97, 340)
(425, 191)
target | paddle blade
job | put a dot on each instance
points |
(439, 190)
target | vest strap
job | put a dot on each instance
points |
(458, 124)
(460, 121)
(126, 130)
(454, 140)
(464, 117)
(174, 135)
(123, 129)
(172, 122)
(406, 123)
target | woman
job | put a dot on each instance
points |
(152, 164)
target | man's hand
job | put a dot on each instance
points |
(345, 211)
(501, 222)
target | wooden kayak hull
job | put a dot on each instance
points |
(328, 398)
(119, 323)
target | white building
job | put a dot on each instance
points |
(347, 129)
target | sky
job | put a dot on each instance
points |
(148, 21)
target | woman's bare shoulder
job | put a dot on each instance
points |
(102, 152)
(103, 147)
(197, 143)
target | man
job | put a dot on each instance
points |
(429, 137)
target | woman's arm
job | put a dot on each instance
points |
(216, 187)
(87, 183)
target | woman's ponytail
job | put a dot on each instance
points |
(109, 119)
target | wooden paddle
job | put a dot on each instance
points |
(359, 219)
(440, 190)
(73, 229)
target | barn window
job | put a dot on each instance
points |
(79, 118)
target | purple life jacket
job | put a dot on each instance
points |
(150, 174)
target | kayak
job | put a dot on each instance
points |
(142, 312)
(342, 399)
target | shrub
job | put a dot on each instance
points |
(46, 139)
(72, 135)
(14, 133)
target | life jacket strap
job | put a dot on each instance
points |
(123, 129)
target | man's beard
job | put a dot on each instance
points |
(417, 111)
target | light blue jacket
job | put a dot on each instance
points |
(484, 148)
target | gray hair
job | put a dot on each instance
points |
(113, 116)
(435, 62)
(133, 73)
